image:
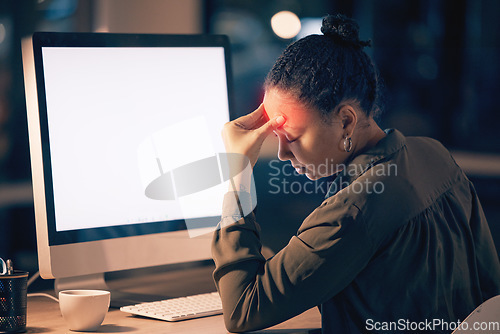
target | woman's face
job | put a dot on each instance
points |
(311, 144)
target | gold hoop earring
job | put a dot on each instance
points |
(347, 144)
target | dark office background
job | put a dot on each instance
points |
(440, 60)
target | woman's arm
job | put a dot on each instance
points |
(330, 249)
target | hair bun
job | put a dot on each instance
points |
(342, 30)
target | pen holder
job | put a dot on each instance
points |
(13, 301)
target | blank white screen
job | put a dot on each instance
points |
(104, 103)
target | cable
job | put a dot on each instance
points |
(43, 295)
(33, 278)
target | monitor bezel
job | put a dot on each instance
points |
(56, 39)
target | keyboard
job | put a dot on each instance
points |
(176, 309)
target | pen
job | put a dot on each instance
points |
(10, 267)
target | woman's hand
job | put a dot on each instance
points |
(246, 134)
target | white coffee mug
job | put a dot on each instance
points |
(84, 310)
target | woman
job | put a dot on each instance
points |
(401, 238)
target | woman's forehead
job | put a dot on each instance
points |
(277, 103)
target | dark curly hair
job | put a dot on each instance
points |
(324, 70)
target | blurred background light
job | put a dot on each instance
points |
(285, 24)
(2, 32)
(58, 9)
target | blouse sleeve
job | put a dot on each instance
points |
(329, 250)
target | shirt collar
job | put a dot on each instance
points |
(392, 142)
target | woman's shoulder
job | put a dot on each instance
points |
(395, 188)
(398, 186)
(427, 145)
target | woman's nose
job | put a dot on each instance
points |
(284, 152)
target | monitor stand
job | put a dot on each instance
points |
(98, 282)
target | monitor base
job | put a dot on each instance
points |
(91, 282)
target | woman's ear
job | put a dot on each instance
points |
(349, 118)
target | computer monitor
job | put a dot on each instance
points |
(115, 120)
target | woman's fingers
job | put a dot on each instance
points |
(254, 120)
(259, 121)
(271, 125)
(246, 134)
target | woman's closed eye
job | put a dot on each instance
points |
(287, 138)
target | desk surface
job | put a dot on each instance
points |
(44, 315)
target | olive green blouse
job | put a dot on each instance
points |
(401, 239)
